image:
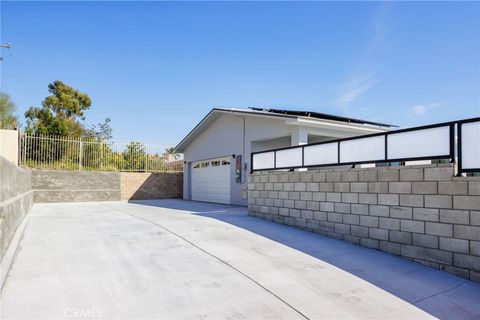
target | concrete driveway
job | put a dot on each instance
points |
(178, 259)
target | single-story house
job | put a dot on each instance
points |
(217, 151)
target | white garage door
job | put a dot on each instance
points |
(211, 180)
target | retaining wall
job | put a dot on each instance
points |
(16, 199)
(73, 186)
(422, 213)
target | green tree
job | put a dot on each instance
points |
(8, 119)
(60, 113)
(171, 154)
(135, 156)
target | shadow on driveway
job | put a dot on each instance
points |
(441, 294)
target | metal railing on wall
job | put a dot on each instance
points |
(72, 153)
(436, 141)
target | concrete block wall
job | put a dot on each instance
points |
(146, 185)
(422, 213)
(77, 186)
(16, 199)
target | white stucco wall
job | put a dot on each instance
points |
(9, 145)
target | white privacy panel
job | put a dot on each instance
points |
(321, 154)
(470, 145)
(289, 158)
(263, 160)
(419, 143)
(366, 149)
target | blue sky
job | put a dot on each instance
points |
(156, 68)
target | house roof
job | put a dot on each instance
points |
(265, 112)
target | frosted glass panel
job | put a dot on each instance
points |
(366, 149)
(471, 145)
(419, 143)
(321, 154)
(289, 158)
(263, 160)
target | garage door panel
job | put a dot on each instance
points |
(210, 180)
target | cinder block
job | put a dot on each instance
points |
(307, 214)
(273, 194)
(442, 202)
(359, 208)
(411, 200)
(379, 234)
(306, 177)
(467, 232)
(342, 207)
(264, 178)
(429, 187)
(300, 186)
(342, 228)
(454, 245)
(301, 223)
(400, 187)
(389, 223)
(295, 213)
(453, 187)
(264, 209)
(474, 276)
(380, 211)
(312, 186)
(370, 243)
(334, 197)
(341, 187)
(464, 273)
(283, 177)
(474, 188)
(293, 177)
(319, 176)
(349, 176)
(289, 186)
(425, 214)
(359, 231)
(475, 248)
(466, 202)
(334, 217)
(320, 215)
(388, 199)
(300, 204)
(334, 176)
(378, 187)
(427, 254)
(466, 261)
(269, 202)
(439, 174)
(368, 221)
(389, 247)
(401, 212)
(260, 201)
(278, 186)
(319, 196)
(475, 218)
(439, 229)
(313, 224)
(326, 206)
(283, 211)
(351, 239)
(293, 195)
(351, 219)
(367, 175)
(289, 203)
(411, 174)
(401, 237)
(388, 174)
(367, 198)
(326, 187)
(423, 240)
(350, 197)
(283, 194)
(454, 216)
(412, 226)
(273, 178)
(359, 187)
(307, 196)
(313, 205)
